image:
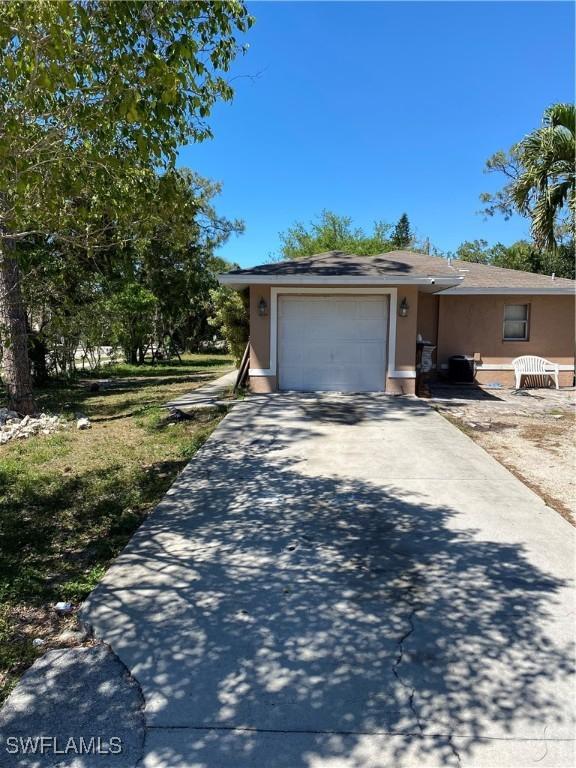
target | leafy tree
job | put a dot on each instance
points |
(132, 312)
(477, 251)
(528, 257)
(402, 236)
(332, 232)
(72, 307)
(541, 176)
(178, 265)
(95, 97)
(231, 318)
(521, 255)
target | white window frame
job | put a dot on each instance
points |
(526, 322)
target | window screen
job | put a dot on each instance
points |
(515, 322)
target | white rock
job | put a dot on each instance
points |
(63, 607)
(83, 423)
(16, 428)
(38, 642)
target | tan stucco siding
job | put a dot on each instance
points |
(405, 343)
(470, 324)
(400, 386)
(263, 385)
(259, 328)
(406, 330)
(458, 324)
(428, 316)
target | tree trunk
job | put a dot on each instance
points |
(13, 334)
(38, 353)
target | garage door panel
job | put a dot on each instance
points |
(372, 310)
(341, 323)
(325, 354)
(372, 353)
(332, 343)
(365, 328)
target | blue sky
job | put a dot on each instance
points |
(371, 109)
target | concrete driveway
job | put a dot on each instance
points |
(347, 582)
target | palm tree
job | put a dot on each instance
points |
(546, 182)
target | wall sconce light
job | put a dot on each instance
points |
(262, 307)
(404, 307)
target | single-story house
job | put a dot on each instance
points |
(342, 322)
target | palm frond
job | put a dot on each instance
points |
(561, 115)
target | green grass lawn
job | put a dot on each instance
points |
(70, 501)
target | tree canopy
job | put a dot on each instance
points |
(331, 232)
(96, 97)
(522, 255)
(402, 236)
(149, 296)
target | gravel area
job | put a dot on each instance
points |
(532, 432)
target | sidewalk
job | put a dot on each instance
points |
(205, 397)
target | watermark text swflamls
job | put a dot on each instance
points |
(54, 745)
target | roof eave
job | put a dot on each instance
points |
(464, 290)
(237, 282)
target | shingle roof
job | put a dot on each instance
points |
(486, 276)
(339, 263)
(403, 264)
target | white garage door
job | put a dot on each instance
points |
(333, 343)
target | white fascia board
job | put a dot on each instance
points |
(240, 281)
(463, 291)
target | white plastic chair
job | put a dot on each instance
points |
(530, 365)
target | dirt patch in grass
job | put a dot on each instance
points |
(69, 502)
(532, 434)
(549, 439)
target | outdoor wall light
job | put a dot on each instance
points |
(403, 311)
(262, 307)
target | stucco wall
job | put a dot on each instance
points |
(474, 324)
(262, 385)
(406, 330)
(259, 328)
(428, 316)
(405, 339)
(469, 324)
(459, 324)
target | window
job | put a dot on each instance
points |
(515, 322)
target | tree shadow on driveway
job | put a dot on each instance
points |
(262, 599)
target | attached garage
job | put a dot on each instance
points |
(340, 322)
(332, 342)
